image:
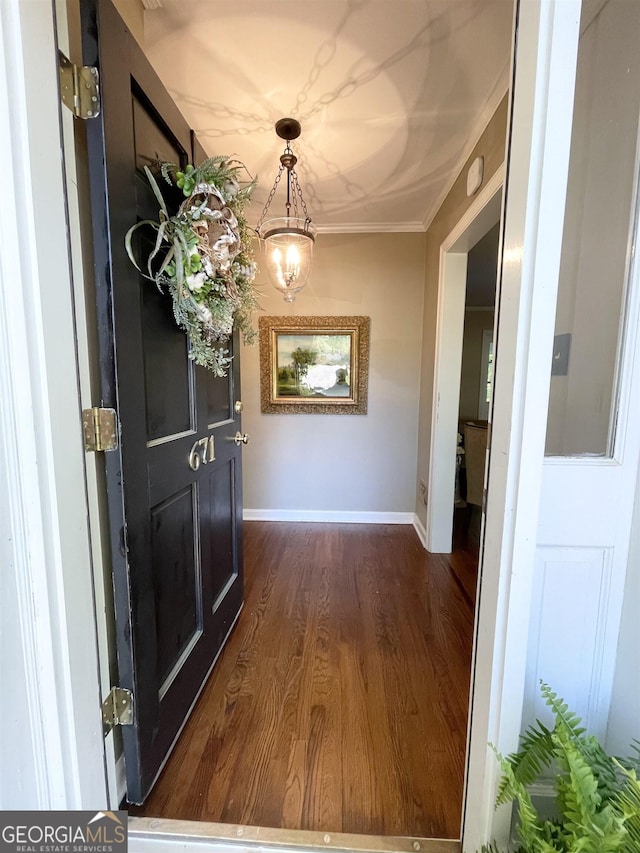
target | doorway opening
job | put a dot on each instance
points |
(476, 387)
(331, 594)
(445, 477)
(386, 628)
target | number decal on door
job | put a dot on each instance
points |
(203, 450)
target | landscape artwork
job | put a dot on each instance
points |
(314, 365)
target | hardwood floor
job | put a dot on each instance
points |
(340, 701)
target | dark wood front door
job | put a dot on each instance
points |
(174, 484)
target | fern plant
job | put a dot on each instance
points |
(597, 796)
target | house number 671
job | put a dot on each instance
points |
(202, 451)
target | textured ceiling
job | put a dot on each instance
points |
(391, 94)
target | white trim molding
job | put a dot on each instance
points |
(51, 637)
(328, 515)
(418, 526)
(372, 228)
(482, 214)
(540, 119)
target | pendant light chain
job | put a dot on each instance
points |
(270, 199)
(298, 189)
(289, 162)
(292, 183)
(294, 190)
(287, 241)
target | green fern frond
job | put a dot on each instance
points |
(530, 828)
(219, 171)
(212, 167)
(581, 798)
(563, 793)
(555, 835)
(603, 766)
(564, 716)
(627, 804)
(167, 171)
(634, 760)
(587, 824)
(535, 753)
(597, 797)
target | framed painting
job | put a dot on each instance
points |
(316, 365)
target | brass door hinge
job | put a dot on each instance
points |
(117, 709)
(100, 429)
(79, 87)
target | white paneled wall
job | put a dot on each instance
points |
(570, 607)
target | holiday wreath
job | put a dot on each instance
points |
(203, 255)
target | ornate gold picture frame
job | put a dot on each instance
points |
(314, 365)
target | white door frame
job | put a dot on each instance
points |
(51, 734)
(533, 216)
(41, 443)
(483, 213)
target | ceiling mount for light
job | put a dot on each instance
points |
(288, 239)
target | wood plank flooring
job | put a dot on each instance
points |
(340, 701)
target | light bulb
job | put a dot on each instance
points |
(277, 267)
(293, 261)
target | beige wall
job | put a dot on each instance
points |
(475, 322)
(491, 146)
(346, 462)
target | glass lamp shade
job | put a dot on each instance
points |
(288, 253)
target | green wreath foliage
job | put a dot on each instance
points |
(203, 256)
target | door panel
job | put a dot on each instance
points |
(176, 577)
(219, 403)
(174, 484)
(221, 557)
(166, 365)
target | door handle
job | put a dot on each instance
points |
(241, 438)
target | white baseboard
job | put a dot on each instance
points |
(420, 530)
(318, 515)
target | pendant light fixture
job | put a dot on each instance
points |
(288, 240)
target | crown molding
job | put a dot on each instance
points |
(372, 228)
